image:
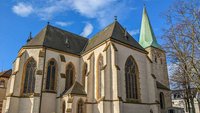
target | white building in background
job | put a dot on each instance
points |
(178, 100)
(60, 72)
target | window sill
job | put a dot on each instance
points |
(30, 95)
(130, 100)
(49, 91)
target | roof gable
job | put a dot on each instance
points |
(76, 89)
(100, 37)
(56, 38)
(6, 73)
(53, 37)
(161, 86)
(116, 32)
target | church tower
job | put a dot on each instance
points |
(155, 51)
(158, 58)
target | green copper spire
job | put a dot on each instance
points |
(147, 37)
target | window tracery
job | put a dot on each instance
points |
(99, 74)
(29, 81)
(69, 76)
(51, 76)
(131, 78)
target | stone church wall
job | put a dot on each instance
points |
(142, 62)
(113, 92)
(91, 59)
(49, 100)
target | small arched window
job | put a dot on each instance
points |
(99, 74)
(131, 72)
(162, 100)
(155, 59)
(161, 61)
(70, 73)
(64, 107)
(84, 72)
(171, 111)
(81, 106)
(51, 76)
(2, 83)
(29, 81)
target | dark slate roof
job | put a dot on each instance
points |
(161, 86)
(6, 73)
(55, 38)
(113, 31)
(76, 89)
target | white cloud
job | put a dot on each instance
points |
(90, 8)
(134, 32)
(102, 10)
(63, 24)
(51, 8)
(22, 9)
(87, 30)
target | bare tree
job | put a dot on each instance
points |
(183, 44)
(180, 82)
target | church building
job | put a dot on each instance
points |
(61, 72)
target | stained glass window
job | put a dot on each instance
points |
(64, 107)
(99, 74)
(29, 82)
(162, 101)
(69, 76)
(81, 107)
(2, 83)
(131, 78)
(84, 72)
(51, 75)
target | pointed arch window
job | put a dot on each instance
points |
(81, 107)
(51, 75)
(131, 72)
(84, 72)
(155, 59)
(162, 100)
(99, 74)
(64, 107)
(161, 61)
(29, 81)
(2, 83)
(70, 73)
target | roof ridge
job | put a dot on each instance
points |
(84, 47)
(67, 31)
(104, 34)
(76, 36)
(114, 27)
(55, 38)
(113, 31)
(102, 31)
(45, 35)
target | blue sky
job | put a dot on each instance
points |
(84, 17)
